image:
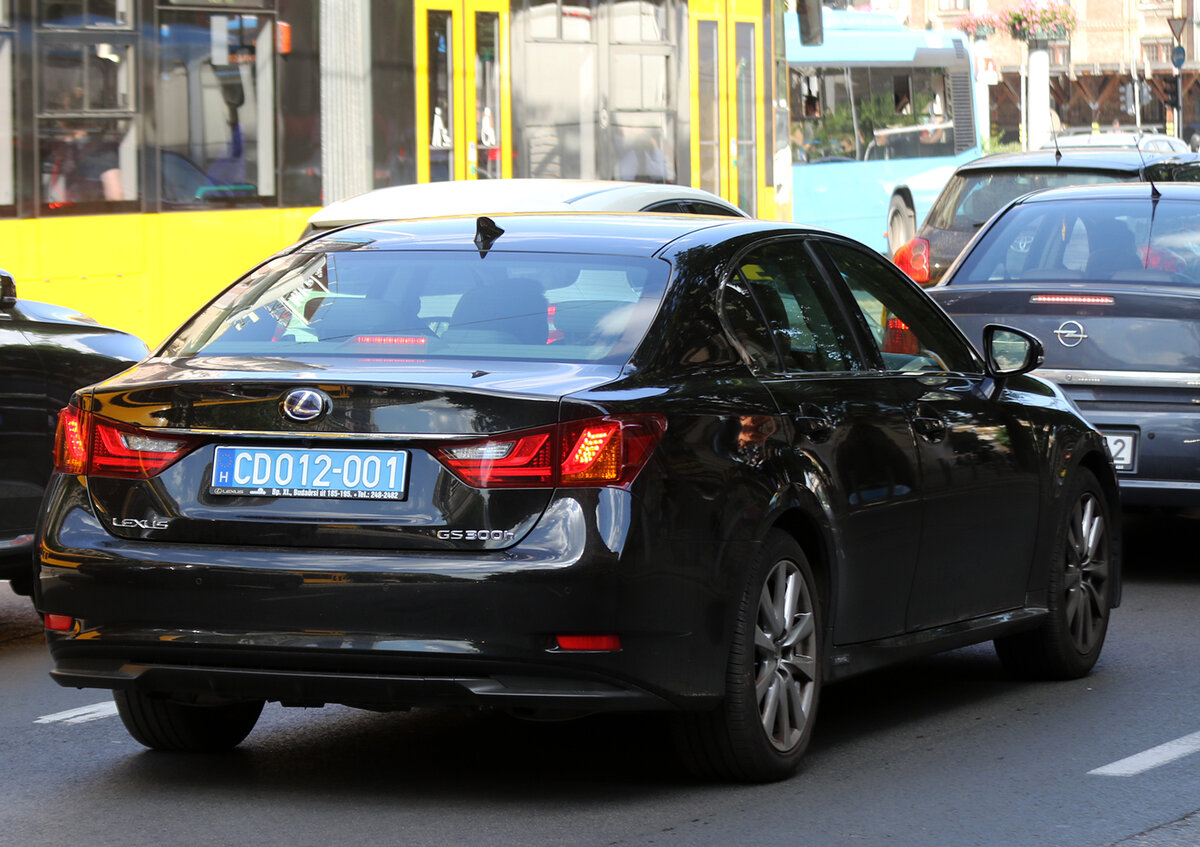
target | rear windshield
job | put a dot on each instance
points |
(970, 199)
(429, 305)
(1134, 241)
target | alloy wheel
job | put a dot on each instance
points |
(1087, 566)
(785, 655)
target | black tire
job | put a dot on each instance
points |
(1079, 595)
(773, 680)
(161, 723)
(901, 224)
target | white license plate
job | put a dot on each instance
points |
(342, 474)
(1123, 447)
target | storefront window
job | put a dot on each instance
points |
(216, 108)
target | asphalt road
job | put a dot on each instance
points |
(946, 751)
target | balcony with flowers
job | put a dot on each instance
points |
(1039, 22)
(981, 26)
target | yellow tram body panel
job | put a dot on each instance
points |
(143, 273)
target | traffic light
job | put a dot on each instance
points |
(1171, 96)
(1127, 98)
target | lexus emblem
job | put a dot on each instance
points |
(1070, 333)
(305, 405)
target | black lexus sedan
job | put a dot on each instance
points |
(1109, 276)
(565, 464)
(46, 352)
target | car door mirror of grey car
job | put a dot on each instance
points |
(8, 290)
(1010, 352)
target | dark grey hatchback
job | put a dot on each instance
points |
(1110, 277)
(560, 464)
(982, 187)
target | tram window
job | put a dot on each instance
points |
(639, 20)
(216, 109)
(871, 113)
(488, 117)
(87, 136)
(85, 13)
(561, 20)
(7, 184)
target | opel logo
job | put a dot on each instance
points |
(305, 405)
(1070, 333)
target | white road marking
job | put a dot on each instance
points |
(1152, 758)
(81, 715)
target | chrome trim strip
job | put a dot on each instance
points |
(1140, 379)
(1159, 484)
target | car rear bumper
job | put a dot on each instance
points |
(393, 629)
(1166, 463)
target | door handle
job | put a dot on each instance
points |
(929, 425)
(813, 422)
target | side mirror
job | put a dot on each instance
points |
(8, 290)
(1010, 351)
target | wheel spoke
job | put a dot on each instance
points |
(801, 668)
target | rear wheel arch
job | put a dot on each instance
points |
(807, 532)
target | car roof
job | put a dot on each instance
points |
(1189, 191)
(1118, 139)
(1124, 159)
(495, 196)
(626, 234)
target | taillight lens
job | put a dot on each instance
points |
(913, 258)
(898, 337)
(608, 451)
(88, 444)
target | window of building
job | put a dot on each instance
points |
(953, 5)
(1157, 51)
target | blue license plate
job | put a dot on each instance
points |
(342, 474)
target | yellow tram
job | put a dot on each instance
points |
(158, 148)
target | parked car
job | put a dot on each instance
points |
(496, 196)
(46, 352)
(978, 189)
(1107, 274)
(1150, 142)
(563, 464)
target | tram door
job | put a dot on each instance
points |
(464, 124)
(727, 98)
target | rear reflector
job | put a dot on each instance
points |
(608, 451)
(594, 643)
(59, 623)
(88, 444)
(1073, 299)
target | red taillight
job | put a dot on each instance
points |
(898, 338)
(913, 259)
(87, 444)
(595, 452)
(70, 441)
(594, 643)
